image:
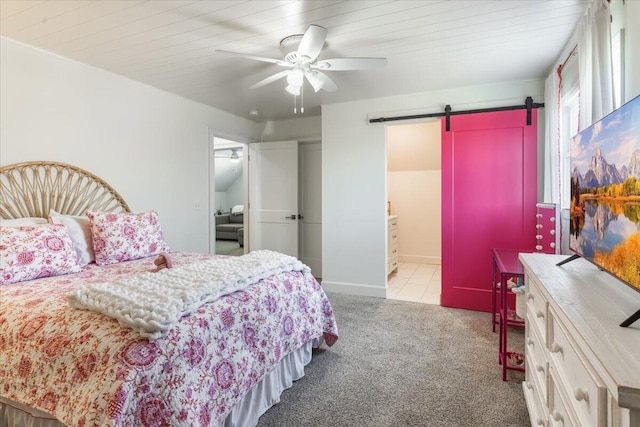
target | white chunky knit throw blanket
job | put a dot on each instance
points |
(152, 302)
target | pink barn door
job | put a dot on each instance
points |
(489, 191)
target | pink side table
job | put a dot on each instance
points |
(507, 266)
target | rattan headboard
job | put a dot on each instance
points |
(31, 189)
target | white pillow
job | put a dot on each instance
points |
(237, 209)
(21, 222)
(80, 233)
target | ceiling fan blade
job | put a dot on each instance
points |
(256, 58)
(312, 41)
(313, 77)
(327, 84)
(346, 64)
(271, 79)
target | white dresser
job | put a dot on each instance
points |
(582, 369)
(392, 244)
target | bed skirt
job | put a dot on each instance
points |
(245, 414)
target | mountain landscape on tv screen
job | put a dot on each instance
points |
(601, 173)
(605, 194)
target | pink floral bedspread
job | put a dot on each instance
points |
(87, 370)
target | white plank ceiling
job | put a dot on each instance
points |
(170, 44)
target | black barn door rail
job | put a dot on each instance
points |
(528, 105)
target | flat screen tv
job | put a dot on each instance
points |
(605, 195)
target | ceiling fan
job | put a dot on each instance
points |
(231, 154)
(301, 58)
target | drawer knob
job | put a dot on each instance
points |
(540, 314)
(530, 296)
(557, 416)
(539, 368)
(540, 421)
(529, 385)
(530, 341)
(556, 348)
(581, 395)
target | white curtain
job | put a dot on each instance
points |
(595, 77)
(552, 153)
(594, 61)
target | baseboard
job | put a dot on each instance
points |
(355, 289)
(420, 259)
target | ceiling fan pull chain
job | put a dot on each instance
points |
(302, 99)
(295, 109)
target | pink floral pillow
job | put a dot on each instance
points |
(121, 237)
(32, 252)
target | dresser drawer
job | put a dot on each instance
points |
(537, 409)
(537, 309)
(537, 365)
(559, 412)
(393, 251)
(392, 265)
(393, 224)
(393, 237)
(585, 391)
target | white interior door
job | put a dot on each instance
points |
(273, 196)
(310, 225)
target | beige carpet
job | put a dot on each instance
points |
(402, 364)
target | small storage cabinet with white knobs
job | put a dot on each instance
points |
(392, 244)
(547, 235)
(582, 368)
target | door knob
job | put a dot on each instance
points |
(294, 216)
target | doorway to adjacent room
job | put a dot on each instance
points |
(414, 196)
(230, 197)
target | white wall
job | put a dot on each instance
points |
(354, 176)
(151, 146)
(235, 193)
(220, 199)
(414, 189)
(301, 129)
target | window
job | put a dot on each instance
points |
(570, 101)
(568, 122)
(617, 57)
(569, 125)
(618, 24)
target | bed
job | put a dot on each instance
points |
(225, 363)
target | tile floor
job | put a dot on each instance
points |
(415, 282)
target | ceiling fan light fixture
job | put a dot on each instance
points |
(234, 158)
(293, 90)
(295, 77)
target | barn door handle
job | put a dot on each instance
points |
(300, 216)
